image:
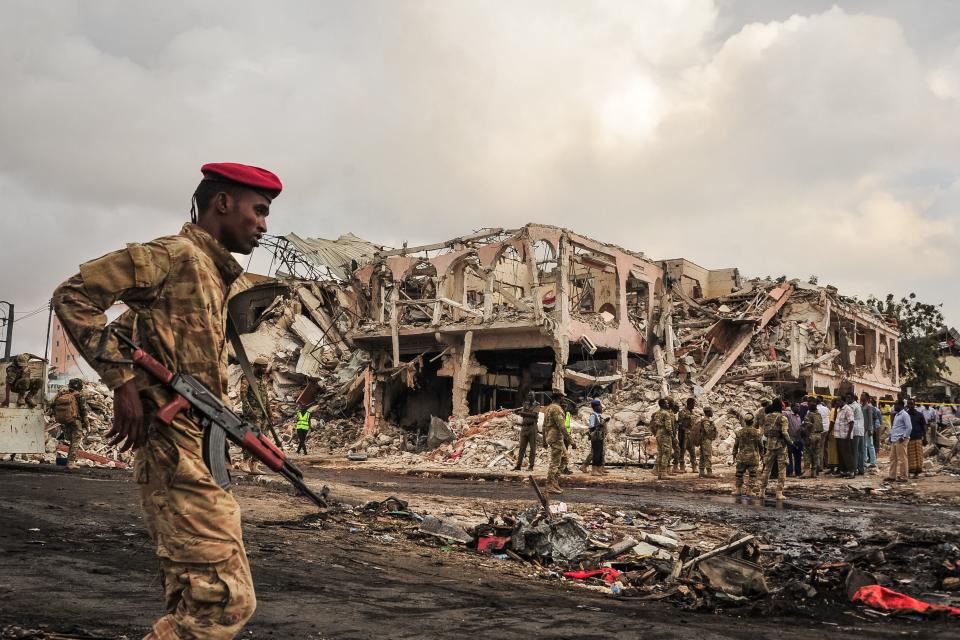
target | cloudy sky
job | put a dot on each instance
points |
(783, 138)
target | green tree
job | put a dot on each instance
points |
(919, 351)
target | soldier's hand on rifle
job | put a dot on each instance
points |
(128, 427)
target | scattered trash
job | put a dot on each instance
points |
(889, 600)
(445, 528)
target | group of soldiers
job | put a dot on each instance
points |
(759, 450)
(680, 433)
(69, 406)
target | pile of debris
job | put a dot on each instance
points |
(945, 452)
(694, 565)
(94, 450)
(491, 440)
(766, 329)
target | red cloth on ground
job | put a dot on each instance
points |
(609, 574)
(882, 598)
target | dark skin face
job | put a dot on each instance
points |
(237, 220)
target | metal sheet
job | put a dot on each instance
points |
(22, 430)
(335, 255)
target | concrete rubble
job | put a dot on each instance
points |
(693, 564)
(94, 450)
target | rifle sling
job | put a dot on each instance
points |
(234, 336)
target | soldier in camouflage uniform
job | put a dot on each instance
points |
(556, 438)
(775, 427)
(708, 433)
(528, 430)
(661, 425)
(22, 382)
(746, 454)
(70, 410)
(251, 408)
(812, 430)
(177, 288)
(686, 421)
(677, 457)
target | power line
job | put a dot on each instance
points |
(20, 313)
(33, 313)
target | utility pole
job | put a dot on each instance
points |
(9, 322)
(46, 346)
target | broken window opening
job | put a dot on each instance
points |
(638, 303)
(545, 256)
(420, 284)
(593, 285)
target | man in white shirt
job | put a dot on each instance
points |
(843, 433)
(824, 411)
(858, 434)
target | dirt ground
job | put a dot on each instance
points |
(75, 561)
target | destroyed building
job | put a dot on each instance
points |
(799, 336)
(486, 318)
(472, 324)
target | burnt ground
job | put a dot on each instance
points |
(75, 560)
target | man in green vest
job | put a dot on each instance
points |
(303, 428)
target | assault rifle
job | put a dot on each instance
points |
(219, 422)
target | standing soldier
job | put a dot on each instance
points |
(775, 428)
(22, 382)
(529, 414)
(567, 441)
(598, 435)
(686, 421)
(556, 438)
(812, 430)
(675, 437)
(661, 424)
(746, 454)
(251, 408)
(708, 433)
(177, 288)
(70, 410)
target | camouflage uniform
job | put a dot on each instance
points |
(708, 433)
(21, 382)
(812, 436)
(775, 429)
(528, 432)
(686, 420)
(746, 453)
(677, 453)
(662, 427)
(177, 288)
(555, 436)
(73, 427)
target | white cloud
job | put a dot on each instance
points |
(822, 143)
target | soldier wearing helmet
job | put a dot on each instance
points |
(25, 383)
(70, 410)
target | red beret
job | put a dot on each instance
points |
(255, 178)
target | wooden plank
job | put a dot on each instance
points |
(461, 307)
(586, 380)
(733, 546)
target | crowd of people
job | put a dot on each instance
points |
(812, 436)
